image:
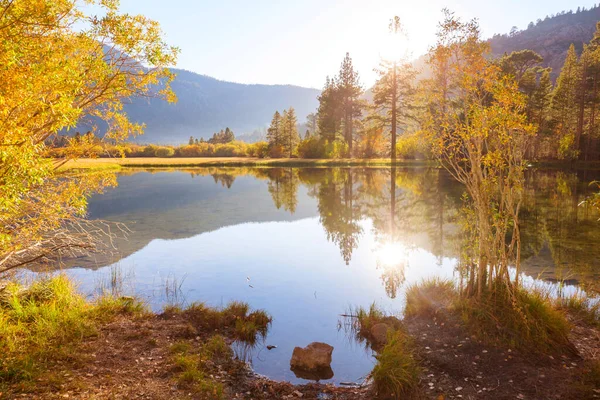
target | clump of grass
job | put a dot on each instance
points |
(236, 318)
(171, 309)
(107, 307)
(190, 367)
(180, 347)
(237, 309)
(396, 373)
(44, 322)
(360, 322)
(429, 297)
(580, 306)
(246, 331)
(527, 320)
(217, 348)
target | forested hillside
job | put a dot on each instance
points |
(551, 37)
(206, 105)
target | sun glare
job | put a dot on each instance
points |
(394, 47)
(391, 254)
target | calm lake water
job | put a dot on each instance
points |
(306, 244)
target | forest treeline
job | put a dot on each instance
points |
(345, 125)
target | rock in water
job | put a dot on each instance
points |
(313, 357)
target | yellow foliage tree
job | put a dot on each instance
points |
(478, 127)
(59, 66)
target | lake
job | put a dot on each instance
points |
(307, 244)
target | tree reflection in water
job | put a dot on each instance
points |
(420, 207)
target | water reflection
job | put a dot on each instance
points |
(314, 241)
(559, 235)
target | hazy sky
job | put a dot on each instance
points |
(300, 42)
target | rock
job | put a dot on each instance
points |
(379, 333)
(313, 357)
(320, 374)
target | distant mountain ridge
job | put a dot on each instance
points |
(551, 37)
(206, 105)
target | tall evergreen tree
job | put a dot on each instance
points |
(329, 115)
(349, 90)
(311, 123)
(274, 134)
(393, 93)
(289, 130)
(191, 141)
(564, 104)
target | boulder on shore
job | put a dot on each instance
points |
(379, 333)
(314, 357)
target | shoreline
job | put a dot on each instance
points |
(201, 162)
(130, 352)
(187, 162)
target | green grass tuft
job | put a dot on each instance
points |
(236, 318)
(44, 322)
(396, 373)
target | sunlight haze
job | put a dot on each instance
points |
(300, 43)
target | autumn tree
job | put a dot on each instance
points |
(480, 133)
(289, 131)
(61, 64)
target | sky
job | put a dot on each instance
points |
(301, 42)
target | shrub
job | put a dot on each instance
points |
(412, 146)
(164, 152)
(258, 149)
(311, 147)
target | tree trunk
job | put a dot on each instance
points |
(580, 118)
(394, 111)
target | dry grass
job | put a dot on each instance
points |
(528, 320)
(429, 297)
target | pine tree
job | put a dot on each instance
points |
(564, 104)
(274, 136)
(289, 130)
(329, 117)
(350, 90)
(228, 136)
(393, 93)
(191, 141)
(542, 98)
(311, 123)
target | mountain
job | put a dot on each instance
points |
(551, 37)
(206, 105)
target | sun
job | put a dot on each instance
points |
(391, 254)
